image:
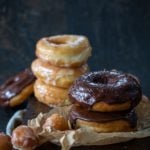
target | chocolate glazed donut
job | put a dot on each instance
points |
(110, 87)
(77, 112)
(16, 89)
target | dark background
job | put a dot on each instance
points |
(119, 32)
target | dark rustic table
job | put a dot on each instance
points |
(119, 32)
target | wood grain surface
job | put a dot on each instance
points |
(119, 32)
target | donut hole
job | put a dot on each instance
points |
(63, 40)
(103, 80)
(56, 41)
(100, 80)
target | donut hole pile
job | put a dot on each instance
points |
(60, 60)
(104, 101)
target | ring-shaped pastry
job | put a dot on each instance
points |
(106, 91)
(50, 95)
(64, 50)
(57, 76)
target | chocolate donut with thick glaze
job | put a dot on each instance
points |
(17, 88)
(106, 91)
(103, 121)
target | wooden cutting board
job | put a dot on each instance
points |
(34, 108)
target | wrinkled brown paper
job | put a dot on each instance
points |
(78, 137)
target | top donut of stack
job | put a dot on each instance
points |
(64, 50)
(106, 91)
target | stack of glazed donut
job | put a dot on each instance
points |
(61, 59)
(104, 101)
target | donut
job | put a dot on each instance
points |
(17, 89)
(102, 121)
(56, 76)
(106, 91)
(64, 50)
(50, 95)
(57, 122)
(23, 137)
(5, 142)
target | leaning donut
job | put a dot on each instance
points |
(17, 89)
(64, 50)
(106, 91)
(56, 76)
(50, 95)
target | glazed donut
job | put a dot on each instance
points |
(50, 95)
(23, 137)
(16, 89)
(106, 91)
(102, 121)
(5, 142)
(64, 50)
(56, 76)
(57, 122)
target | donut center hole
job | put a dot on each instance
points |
(57, 41)
(104, 80)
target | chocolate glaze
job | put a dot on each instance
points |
(78, 112)
(108, 86)
(15, 85)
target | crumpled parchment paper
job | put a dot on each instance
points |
(81, 136)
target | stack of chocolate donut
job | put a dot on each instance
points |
(61, 59)
(104, 101)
